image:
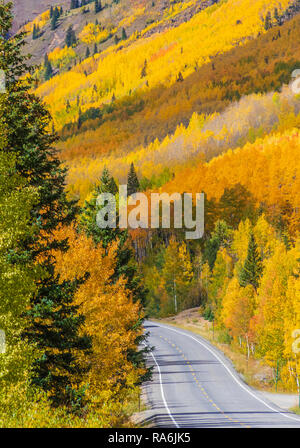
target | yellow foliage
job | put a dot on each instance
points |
(61, 56)
(40, 21)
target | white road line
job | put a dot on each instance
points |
(229, 371)
(162, 392)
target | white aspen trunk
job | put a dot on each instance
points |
(248, 347)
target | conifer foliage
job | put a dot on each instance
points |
(126, 266)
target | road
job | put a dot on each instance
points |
(195, 386)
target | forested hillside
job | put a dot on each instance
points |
(144, 111)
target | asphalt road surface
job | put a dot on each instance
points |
(195, 386)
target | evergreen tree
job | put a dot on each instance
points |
(112, 186)
(125, 258)
(236, 204)
(268, 21)
(34, 32)
(144, 69)
(133, 184)
(124, 35)
(220, 238)
(95, 49)
(126, 265)
(53, 321)
(252, 269)
(87, 53)
(17, 272)
(277, 17)
(74, 4)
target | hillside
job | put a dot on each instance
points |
(169, 97)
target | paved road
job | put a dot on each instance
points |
(194, 385)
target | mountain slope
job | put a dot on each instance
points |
(131, 15)
(168, 57)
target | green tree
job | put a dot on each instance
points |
(53, 321)
(236, 204)
(70, 37)
(220, 238)
(98, 6)
(133, 184)
(177, 275)
(268, 21)
(126, 264)
(218, 280)
(277, 17)
(54, 18)
(35, 31)
(252, 269)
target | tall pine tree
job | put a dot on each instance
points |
(252, 269)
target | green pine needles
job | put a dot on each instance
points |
(253, 268)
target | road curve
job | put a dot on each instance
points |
(195, 386)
